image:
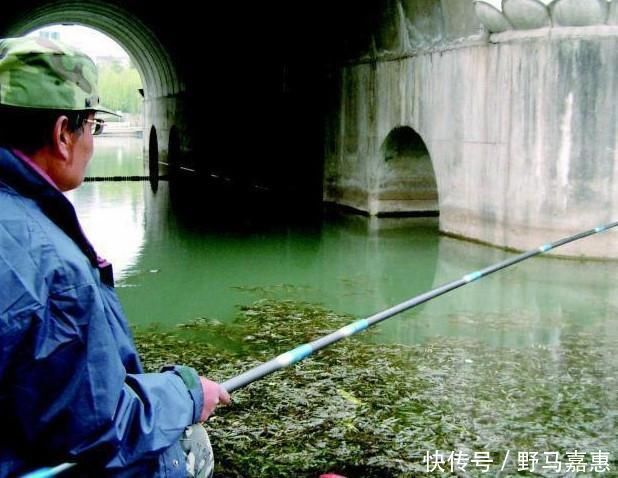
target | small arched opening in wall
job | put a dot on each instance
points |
(153, 159)
(407, 183)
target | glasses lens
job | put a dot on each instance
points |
(97, 126)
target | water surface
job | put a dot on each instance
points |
(170, 272)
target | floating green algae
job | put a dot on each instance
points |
(368, 410)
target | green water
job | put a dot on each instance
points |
(169, 272)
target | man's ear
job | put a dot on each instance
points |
(62, 138)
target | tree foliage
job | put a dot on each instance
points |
(119, 87)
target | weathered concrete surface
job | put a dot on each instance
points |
(526, 14)
(522, 132)
(578, 13)
(612, 16)
(490, 14)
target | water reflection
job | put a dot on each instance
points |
(116, 156)
(112, 214)
(343, 262)
(171, 272)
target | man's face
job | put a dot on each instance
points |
(79, 151)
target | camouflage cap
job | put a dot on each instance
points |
(47, 74)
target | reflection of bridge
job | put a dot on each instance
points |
(508, 127)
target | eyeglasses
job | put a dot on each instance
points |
(96, 125)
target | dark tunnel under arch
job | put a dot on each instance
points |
(408, 184)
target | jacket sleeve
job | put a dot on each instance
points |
(74, 398)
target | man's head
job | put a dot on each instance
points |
(48, 98)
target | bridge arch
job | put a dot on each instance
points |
(162, 87)
(159, 75)
(407, 181)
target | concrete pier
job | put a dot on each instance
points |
(521, 128)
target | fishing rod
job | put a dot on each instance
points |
(303, 351)
(49, 472)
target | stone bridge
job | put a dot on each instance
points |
(501, 116)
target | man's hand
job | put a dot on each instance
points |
(213, 395)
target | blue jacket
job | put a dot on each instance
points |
(72, 388)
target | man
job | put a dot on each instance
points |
(72, 388)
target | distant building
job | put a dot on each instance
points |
(50, 35)
(123, 61)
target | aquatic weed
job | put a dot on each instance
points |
(371, 410)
